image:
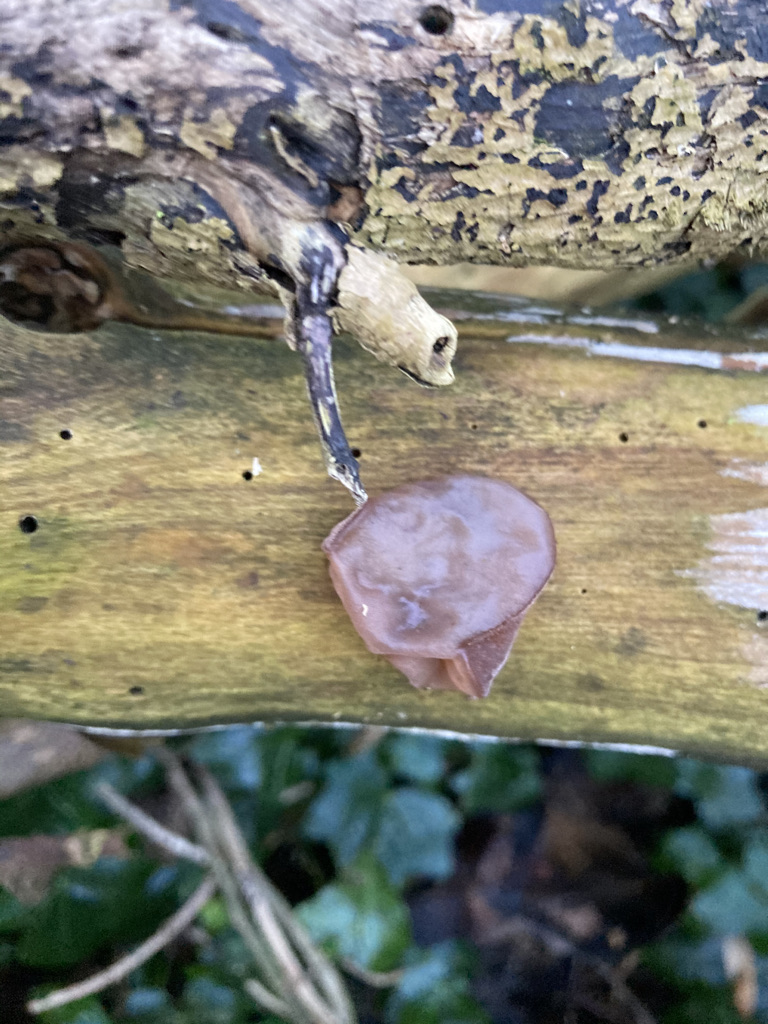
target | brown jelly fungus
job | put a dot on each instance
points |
(437, 576)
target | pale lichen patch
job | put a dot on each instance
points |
(207, 137)
(21, 166)
(16, 90)
(542, 45)
(122, 133)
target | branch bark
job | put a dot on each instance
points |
(631, 134)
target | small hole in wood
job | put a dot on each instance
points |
(356, 453)
(762, 616)
(473, 426)
(65, 435)
(702, 424)
(583, 590)
(247, 474)
(136, 691)
(623, 438)
(27, 524)
(436, 20)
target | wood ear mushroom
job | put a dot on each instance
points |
(437, 576)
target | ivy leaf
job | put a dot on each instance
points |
(86, 908)
(724, 796)
(360, 918)
(500, 778)
(415, 835)
(347, 811)
(416, 757)
(435, 990)
(233, 754)
(734, 905)
(691, 853)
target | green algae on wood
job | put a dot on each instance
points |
(162, 589)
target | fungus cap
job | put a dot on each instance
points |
(437, 576)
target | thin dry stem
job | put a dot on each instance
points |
(121, 968)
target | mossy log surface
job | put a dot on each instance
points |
(161, 589)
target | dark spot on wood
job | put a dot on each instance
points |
(136, 691)
(632, 642)
(598, 190)
(639, 183)
(28, 524)
(616, 155)
(17, 130)
(465, 134)
(558, 169)
(127, 52)
(678, 247)
(633, 35)
(575, 27)
(509, 158)
(458, 226)
(498, 134)
(675, 190)
(407, 188)
(590, 681)
(249, 581)
(29, 605)
(581, 185)
(577, 117)
(11, 431)
(436, 20)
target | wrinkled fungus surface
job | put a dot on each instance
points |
(438, 575)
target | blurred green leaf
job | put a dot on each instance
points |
(733, 905)
(679, 958)
(234, 755)
(347, 811)
(13, 915)
(724, 796)
(148, 1004)
(704, 1005)
(691, 853)
(415, 835)
(500, 778)
(436, 990)
(417, 757)
(361, 917)
(70, 803)
(86, 908)
(210, 1002)
(644, 769)
(84, 1011)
